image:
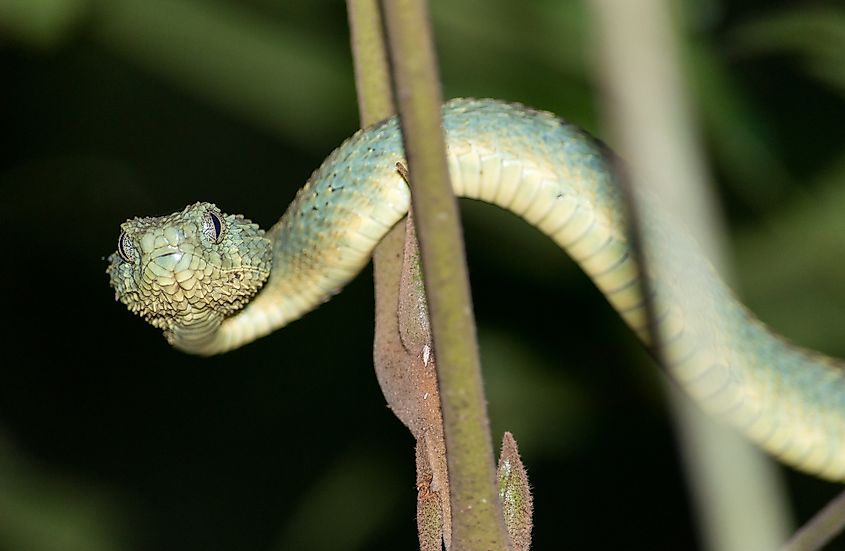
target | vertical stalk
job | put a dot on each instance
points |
(372, 72)
(652, 124)
(476, 512)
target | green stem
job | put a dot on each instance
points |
(372, 73)
(654, 130)
(476, 512)
(401, 377)
(820, 529)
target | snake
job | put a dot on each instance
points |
(214, 281)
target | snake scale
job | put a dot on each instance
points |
(214, 282)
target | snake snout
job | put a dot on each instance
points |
(171, 270)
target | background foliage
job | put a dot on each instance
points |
(109, 440)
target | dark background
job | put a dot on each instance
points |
(110, 440)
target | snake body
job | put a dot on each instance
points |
(200, 275)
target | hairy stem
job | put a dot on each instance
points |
(476, 512)
(405, 373)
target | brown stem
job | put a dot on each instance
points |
(477, 521)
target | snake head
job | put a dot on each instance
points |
(186, 272)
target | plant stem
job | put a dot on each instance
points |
(654, 129)
(372, 73)
(820, 529)
(408, 384)
(476, 512)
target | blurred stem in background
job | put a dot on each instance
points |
(648, 113)
(821, 529)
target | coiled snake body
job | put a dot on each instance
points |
(205, 278)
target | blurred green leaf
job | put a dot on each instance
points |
(516, 375)
(354, 497)
(790, 268)
(41, 511)
(264, 71)
(509, 35)
(737, 131)
(816, 34)
(41, 23)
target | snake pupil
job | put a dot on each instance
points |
(214, 227)
(216, 221)
(125, 248)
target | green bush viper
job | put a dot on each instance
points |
(214, 282)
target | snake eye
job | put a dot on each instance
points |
(125, 247)
(213, 226)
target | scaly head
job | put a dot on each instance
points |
(186, 272)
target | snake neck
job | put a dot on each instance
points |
(195, 333)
